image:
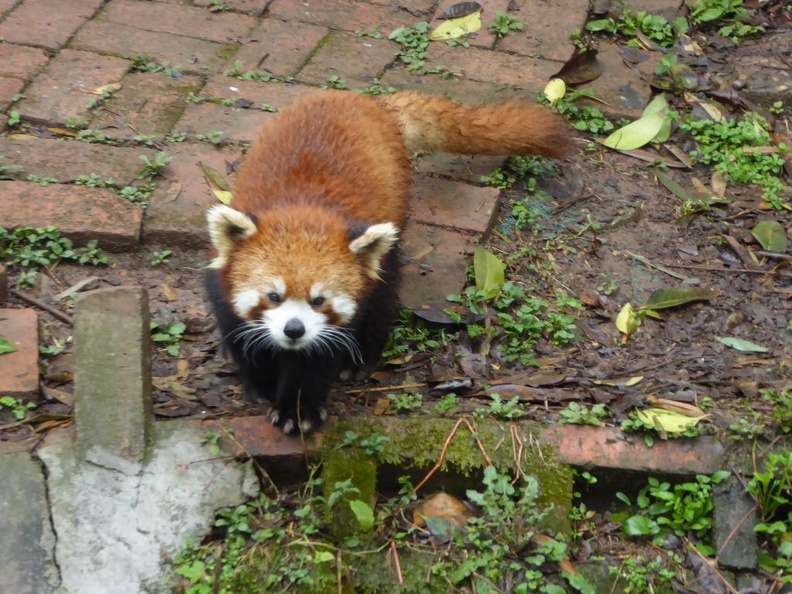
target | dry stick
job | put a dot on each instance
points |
(730, 270)
(386, 388)
(45, 306)
(395, 552)
(447, 443)
(719, 575)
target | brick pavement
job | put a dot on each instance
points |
(196, 84)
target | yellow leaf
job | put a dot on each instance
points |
(454, 28)
(555, 89)
(627, 322)
(223, 196)
(651, 125)
(667, 420)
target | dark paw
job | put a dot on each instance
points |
(304, 423)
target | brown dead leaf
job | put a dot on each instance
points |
(545, 377)
(168, 293)
(683, 408)
(170, 384)
(106, 89)
(182, 369)
(444, 506)
(381, 407)
(61, 396)
(63, 132)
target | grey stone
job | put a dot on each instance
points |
(112, 385)
(121, 522)
(27, 543)
(733, 525)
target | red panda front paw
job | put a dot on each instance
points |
(291, 423)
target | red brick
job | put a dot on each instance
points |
(47, 23)
(235, 124)
(548, 24)
(20, 61)
(9, 89)
(482, 38)
(462, 90)
(79, 213)
(66, 160)
(280, 47)
(176, 214)
(221, 27)
(7, 5)
(355, 59)
(19, 371)
(193, 55)
(276, 95)
(607, 447)
(148, 103)
(64, 90)
(437, 262)
(345, 15)
(256, 434)
(251, 7)
(453, 205)
(493, 67)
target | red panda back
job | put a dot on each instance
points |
(332, 148)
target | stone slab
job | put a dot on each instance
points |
(192, 55)
(356, 60)
(179, 218)
(279, 47)
(27, 546)
(342, 15)
(66, 87)
(19, 371)
(79, 213)
(185, 21)
(548, 24)
(66, 160)
(436, 261)
(148, 104)
(733, 523)
(45, 23)
(454, 205)
(112, 381)
(122, 523)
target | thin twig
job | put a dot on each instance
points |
(395, 552)
(386, 388)
(45, 306)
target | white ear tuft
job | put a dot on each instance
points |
(227, 227)
(375, 242)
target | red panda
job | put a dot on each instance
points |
(307, 263)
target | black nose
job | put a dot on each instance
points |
(294, 329)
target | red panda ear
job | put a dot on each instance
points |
(227, 227)
(374, 243)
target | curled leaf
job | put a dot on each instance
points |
(627, 321)
(643, 130)
(460, 9)
(555, 89)
(740, 344)
(771, 235)
(363, 513)
(672, 297)
(669, 421)
(488, 271)
(6, 346)
(458, 27)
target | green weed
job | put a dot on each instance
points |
(406, 401)
(414, 43)
(169, 336)
(629, 24)
(641, 576)
(17, 407)
(580, 414)
(730, 12)
(159, 258)
(504, 24)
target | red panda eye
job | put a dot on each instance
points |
(317, 301)
(274, 297)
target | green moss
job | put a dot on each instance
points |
(342, 464)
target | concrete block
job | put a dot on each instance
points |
(28, 543)
(112, 383)
(19, 371)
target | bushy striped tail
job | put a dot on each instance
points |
(511, 127)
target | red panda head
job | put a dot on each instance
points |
(297, 274)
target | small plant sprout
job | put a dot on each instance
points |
(159, 258)
(168, 335)
(406, 401)
(504, 24)
(154, 167)
(16, 406)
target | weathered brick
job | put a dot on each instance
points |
(482, 38)
(235, 124)
(19, 371)
(112, 383)
(46, 23)
(462, 90)
(436, 263)
(7, 5)
(20, 61)
(179, 217)
(251, 7)
(548, 24)
(276, 95)
(356, 60)
(148, 103)
(9, 89)
(463, 168)
(79, 213)
(187, 21)
(192, 55)
(493, 67)
(453, 205)
(66, 160)
(280, 47)
(3, 284)
(345, 15)
(64, 90)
